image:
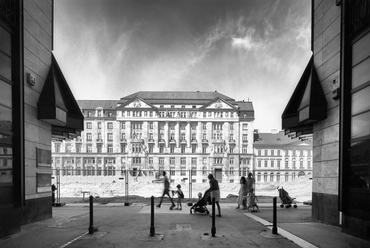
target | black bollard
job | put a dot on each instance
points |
(91, 227)
(213, 229)
(274, 227)
(152, 229)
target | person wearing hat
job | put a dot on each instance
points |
(180, 195)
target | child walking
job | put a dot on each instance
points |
(180, 195)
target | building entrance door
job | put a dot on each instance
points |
(218, 175)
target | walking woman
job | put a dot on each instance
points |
(243, 191)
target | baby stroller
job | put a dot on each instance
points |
(201, 205)
(286, 200)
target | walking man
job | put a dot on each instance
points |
(166, 191)
(214, 190)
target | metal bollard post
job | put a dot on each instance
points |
(213, 229)
(152, 229)
(274, 227)
(91, 227)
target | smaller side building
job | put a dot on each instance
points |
(280, 158)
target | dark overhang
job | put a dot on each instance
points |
(58, 106)
(306, 106)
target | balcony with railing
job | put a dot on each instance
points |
(137, 141)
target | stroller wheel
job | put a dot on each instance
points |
(282, 205)
(295, 206)
(207, 212)
(191, 212)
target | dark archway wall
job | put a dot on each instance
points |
(31, 26)
(326, 19)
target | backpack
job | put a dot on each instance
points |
(181, 194)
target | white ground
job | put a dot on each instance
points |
(301, 189)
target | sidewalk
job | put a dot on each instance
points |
(129, 226)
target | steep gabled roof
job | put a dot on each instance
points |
(176, 97)
(245, 106)
(281, 140)
(122, 105)
(221, 100)
(93, 104)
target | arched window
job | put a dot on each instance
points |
(265, 177)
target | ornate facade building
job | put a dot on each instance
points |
(173, 131)
(280, 158)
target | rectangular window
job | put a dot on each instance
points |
(88, 125)
(123, 125)
(259, 163)
(193, 148)
(78, 148)
(123, 148)
(172, 161)
(183, 148)
(245, 126)
(88, 137)
(266, 163)
(109, 148)
(194, 161)
(204, 149)
(245, 137)
(89, 148)
(110, 136)
(110, 125)
(272, 163)
(244, 149)
(161, 161)
(193, 171)
(183, 161)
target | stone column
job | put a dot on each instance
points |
(177, 134)
(166, 130)
(188, 134)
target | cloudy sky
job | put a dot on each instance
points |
(245, 49)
